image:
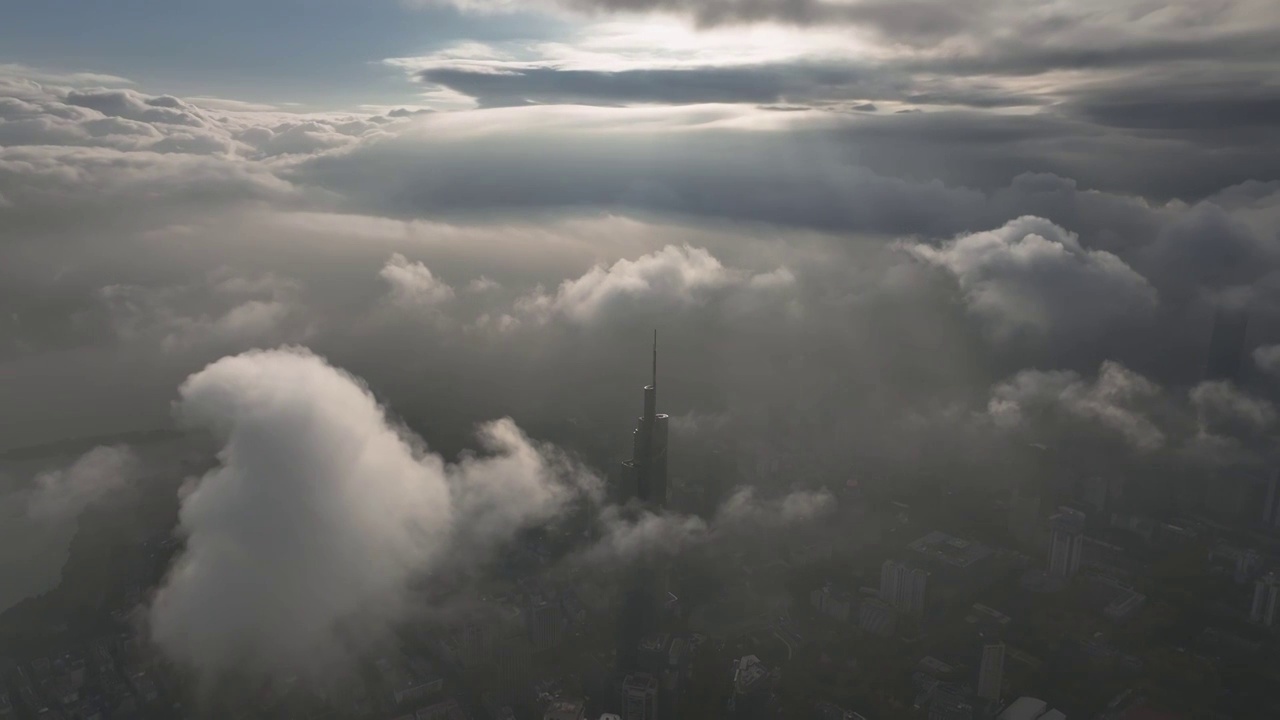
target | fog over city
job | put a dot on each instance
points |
(325, 325)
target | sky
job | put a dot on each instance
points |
(893, 238)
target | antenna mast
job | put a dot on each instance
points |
(655, 358)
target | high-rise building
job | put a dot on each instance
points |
(644, 476)
(1029, 500)
(544, 622)
(877, 617)
(1066, 541)
(1266, 600)
(991, 670)
(950, 702)
(644, 480)
(640, 697)
(903, 587)
(565, 710)
(1226, 344)
(1271, 505)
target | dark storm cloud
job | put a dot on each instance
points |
(985, 150)
(909, 21)
(1217, 113)
(1164, 79)
(796, 82)
(1025, 56)
(550, 85)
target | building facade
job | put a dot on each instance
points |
(1066, 541)
(1266, 600)
(640, 697)
(991, 671)
(644, 481)
(903, 587)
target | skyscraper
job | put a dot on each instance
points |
(644, 480)
(640, 697)
(1226, 344)
(991, 670)
(644, 476)
(1066, 542)
(1266, 600)
(950, 702)
(903, 587)
(1271, 504)
(1027, 498)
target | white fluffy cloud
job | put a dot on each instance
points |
(671, 278)
(1031, 276)
(99, 472)
(413, 284)
(321, 511)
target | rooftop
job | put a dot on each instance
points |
(951, 550)
(749, 672)
(564, 710)
(987, 614)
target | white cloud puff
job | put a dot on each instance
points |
(413, 284)
(673, 277)
(1031, 276)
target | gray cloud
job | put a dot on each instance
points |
(61, 494)
(1210, 427)
(671, 278)
(629, 536)
(1224, 410)
(412, 283)
(496, 85)
(1267, 358)
(1118, 400)
(1032, 276)
(833, 85)
(1173, 66)
(221, 311)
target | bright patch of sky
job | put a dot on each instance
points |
(646, 44)
(320, 53)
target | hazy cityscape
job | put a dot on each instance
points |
(646, 360)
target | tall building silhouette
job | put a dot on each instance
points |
(1226, 344)
(1035, 492)
(640, 697)
(903, 587)
(644, 481)
(991, 670)
(1271, 503)
(644, 476)
(1066, 543)
(1266, 601)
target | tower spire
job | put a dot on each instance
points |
(655, 358)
